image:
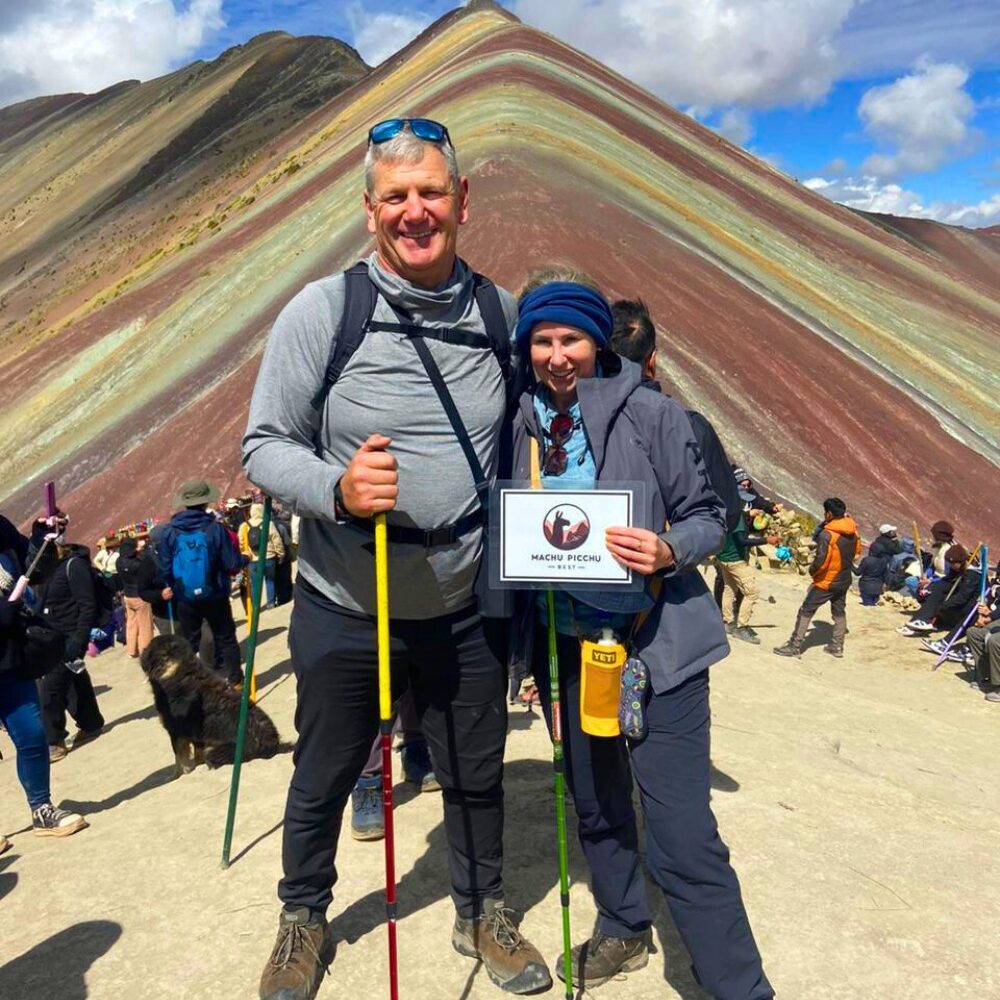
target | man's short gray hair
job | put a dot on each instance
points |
(405, 147)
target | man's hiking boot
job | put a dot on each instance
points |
(367, 821)
(790, 648)
(729, 627)
(301, 957)
(604, 957)
(993, 695)
(833, 650)
(417, 767)
(510, 961)
(57, 751)
(50, 821)
(745, 633)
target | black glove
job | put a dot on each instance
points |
(75, 649)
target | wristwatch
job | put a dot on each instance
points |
(340, 511)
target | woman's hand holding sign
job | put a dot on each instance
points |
(639, 549)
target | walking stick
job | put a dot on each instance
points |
(557, 760)
(960, 631)
(385, 735)
(257, 585)
(557, 766)
(170, 614)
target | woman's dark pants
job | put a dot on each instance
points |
(684, 852)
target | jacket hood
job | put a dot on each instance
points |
(601, 398)
(842, 525)
(190, 520)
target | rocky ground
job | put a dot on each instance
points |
(858, 797)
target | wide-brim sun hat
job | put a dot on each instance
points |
(194, 493)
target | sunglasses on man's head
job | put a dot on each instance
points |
(560, 431)
(422, 128)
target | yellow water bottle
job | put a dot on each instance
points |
(601, 666)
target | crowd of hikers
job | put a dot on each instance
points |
(408, 386)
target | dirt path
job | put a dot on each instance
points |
(858, 797)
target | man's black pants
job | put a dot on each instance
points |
(815, 598)
(219, 614)
(456, 665)
(684, 852)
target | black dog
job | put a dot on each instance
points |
(200, 711)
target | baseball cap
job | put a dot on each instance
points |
(887, 529)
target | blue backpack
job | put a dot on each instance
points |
(192, 566)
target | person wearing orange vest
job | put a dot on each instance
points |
(838, 544)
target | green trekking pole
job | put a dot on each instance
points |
(256, 590)
(560, 790)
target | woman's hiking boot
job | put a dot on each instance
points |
(301, 957)
(417, 766)
(790, 648)
(367, 821)
(603, 957)
(51, 821)
(511, 962)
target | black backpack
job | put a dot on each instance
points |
(253, 538)
(360, 299)
(105, 592)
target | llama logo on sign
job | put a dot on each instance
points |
(566, 527)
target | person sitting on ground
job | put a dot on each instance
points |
(20, 712)
(756, 502)
(196, 557)
(950, 599)
(935, 559)
(837, 546)
(887, 543)
(983, 640)
(141, 588)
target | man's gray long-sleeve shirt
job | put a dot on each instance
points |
(383, 389)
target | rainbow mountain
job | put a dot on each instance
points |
(150, 234)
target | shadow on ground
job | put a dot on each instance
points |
(528, 784)
(7, 879)
(57, 967)
(262, 636)
(147, 784)
(819, 635)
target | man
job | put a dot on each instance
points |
(196, 557)
(739, 578)
(950, 599)
(837, 546)
(634, 337)
(380, 439)
(755, 501)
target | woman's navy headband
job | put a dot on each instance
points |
(568, 303)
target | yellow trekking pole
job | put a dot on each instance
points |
(385, 732)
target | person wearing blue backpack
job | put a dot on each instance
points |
(196, 557)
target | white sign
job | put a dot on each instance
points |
(557, 536)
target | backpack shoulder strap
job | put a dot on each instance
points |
(491, 311)
(360, 297)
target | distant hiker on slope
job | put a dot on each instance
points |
(837, 546)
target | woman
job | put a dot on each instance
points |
(141, 587)
(594, 423)
(19, 704)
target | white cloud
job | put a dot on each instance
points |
(923, 117)
(378, 36)
(735, 125)
(61, 46)
(706, 53)
(870, 194)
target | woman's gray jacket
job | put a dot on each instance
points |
(638, 435)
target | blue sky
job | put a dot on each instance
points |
(887, 105)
